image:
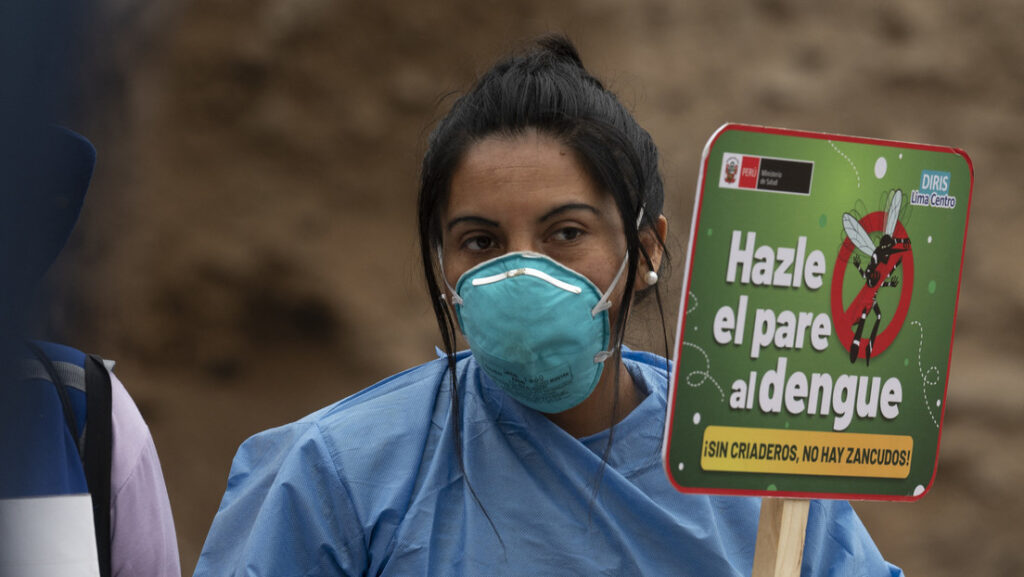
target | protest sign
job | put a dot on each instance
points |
(817, 317)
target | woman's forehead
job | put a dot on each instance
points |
(530, 172)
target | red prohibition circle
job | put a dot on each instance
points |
(845, 317)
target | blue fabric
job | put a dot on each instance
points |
(372, 486)
(39, 456)
(58, 353)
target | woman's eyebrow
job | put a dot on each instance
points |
(471, 219)
(567, 207)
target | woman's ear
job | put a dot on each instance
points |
(653, 240)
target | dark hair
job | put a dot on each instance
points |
(546, 89)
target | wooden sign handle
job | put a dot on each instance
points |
(780, 537)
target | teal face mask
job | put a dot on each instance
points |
(538, 329)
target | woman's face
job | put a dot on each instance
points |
(530, 193)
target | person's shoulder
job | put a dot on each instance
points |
(404, 391)
(61, 353)
(406, 401)
(389, 422)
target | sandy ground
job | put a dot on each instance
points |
(248, 250)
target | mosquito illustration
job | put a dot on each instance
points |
(888, 247)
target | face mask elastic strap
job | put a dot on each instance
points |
(605, 302)
(456, 299)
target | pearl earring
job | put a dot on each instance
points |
(651, 278)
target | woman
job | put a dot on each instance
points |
(538, 451)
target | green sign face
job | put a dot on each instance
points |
(816, 323)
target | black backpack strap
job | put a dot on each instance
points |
(98, 453)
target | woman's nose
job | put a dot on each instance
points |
(522, 244)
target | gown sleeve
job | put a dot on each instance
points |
(285, 513)
(838, 544)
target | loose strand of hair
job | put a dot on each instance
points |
(634, 246)
(448, 340)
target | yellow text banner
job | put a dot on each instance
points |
(792, 452)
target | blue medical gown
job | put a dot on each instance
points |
(372, 486)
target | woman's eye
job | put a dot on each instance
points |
(478, 243)
(568, 234)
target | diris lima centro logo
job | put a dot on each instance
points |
(933, 190)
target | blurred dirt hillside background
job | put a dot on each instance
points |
(248, 253)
